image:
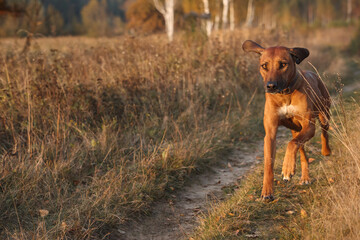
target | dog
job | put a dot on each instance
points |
(294, 99)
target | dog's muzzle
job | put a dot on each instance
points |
(273, 87)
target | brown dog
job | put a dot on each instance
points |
(294, 99)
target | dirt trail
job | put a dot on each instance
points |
(175, 218)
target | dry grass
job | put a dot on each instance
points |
(327, 209)
(334, 208)
(93, 130)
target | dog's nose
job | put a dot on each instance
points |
(271, 85)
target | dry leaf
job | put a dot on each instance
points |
(290, 212)
(63, 226)
(303, 213)
(43, 212)
(311, 160)
(251, 197)
(231, 214)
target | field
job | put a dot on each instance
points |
(95, 130)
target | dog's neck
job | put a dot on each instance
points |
(293, 85)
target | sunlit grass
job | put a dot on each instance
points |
(94, 130)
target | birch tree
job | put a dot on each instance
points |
(225, 13)
(167, 10)
(217, 16)
(250, 13)
(232, 15)
(208, 24)
(348, 11)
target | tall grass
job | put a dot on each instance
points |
(92, 131)
(335, 207)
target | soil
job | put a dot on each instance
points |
(175, 218)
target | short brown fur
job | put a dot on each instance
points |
(294, 99)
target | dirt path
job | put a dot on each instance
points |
(175, 218)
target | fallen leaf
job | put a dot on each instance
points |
(290, 212)
(311, 160)
(43, 212)
(251, 197)
(63, 226)
(231, 214)
(275, 201)
(303, 213)
(331, 180)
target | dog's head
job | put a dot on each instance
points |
(277, 64)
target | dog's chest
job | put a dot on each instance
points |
(287, 111)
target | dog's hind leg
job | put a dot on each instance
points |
(324, 118)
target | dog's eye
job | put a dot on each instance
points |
(282, 65)
(264, 66)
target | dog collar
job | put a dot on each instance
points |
(290, 88)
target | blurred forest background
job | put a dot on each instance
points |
(115, 17)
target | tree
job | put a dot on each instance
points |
(232, 15)
(348, 11)
(225, 13)
(53, 21)
(94, 18)
(208, 24)
(167, 10)
(250, 13)
(142, 16)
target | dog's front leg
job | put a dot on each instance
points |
(306, 133)
(271, 126)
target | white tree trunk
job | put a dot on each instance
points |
(232, 15)
(217, 22)
(250, 13)
(225, 13)
(167, 10)
(208, 24)
(349, 11)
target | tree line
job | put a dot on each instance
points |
(115, 17)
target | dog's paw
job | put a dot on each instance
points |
(267, 193)
(305, 181)
(268, 198)
(325, 151)
(288, 171)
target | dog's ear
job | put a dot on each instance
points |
(299, 54)
(251, 46)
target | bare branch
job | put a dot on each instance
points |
(160, 7)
